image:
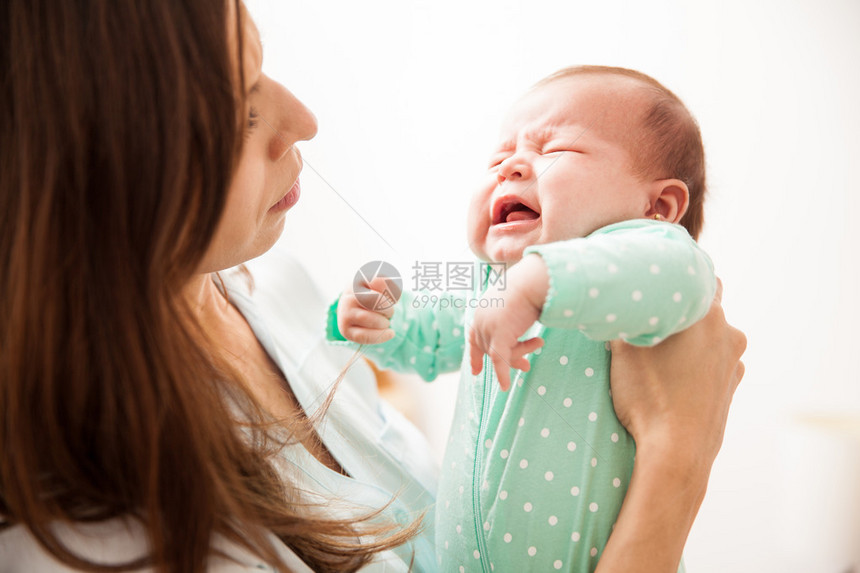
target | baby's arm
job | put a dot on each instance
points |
(639, 281)
(422, 333)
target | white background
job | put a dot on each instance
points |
(409, 96)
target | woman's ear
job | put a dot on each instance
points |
(669, 199)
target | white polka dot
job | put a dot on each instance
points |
(527, 506)
(471, 416)
(532, 551)
(521, 422)
(656, 340)
(541, 390)
(462, 569)
(567, 402)
(485, 485)
(677, 297)
(544, 433)
(428, 349)
(476, 554)
(508, 537)
(637, 295)
(592, 416)
(447, 503)
(574, 536)
(453, 465)
(412, 360)
(537, 352)
(593, 292)
(553, 520)
(459, 529)
(503, 495)
(548, 476)
(456, 332)
(568, 313)
(570, 267)
(504, 454)
(486, 526)
(616, 482)
(653, 321)
(612, 268)
(571, 446)
(611, 318)
(592, 507)
(562, 360)
(524, 463)
(594, 462)
(461, 489)
(655, 270)
(557, 564)
(446, 545)
(574, 491)
(589, 372)
(594, 551)
(682, 320)
(488, 443)
(492, 567)
(691, 270)
(614, 437)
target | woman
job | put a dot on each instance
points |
(155, 413)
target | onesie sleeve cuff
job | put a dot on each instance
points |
(565, 294)
(332, 332)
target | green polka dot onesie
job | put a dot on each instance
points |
(533, 479)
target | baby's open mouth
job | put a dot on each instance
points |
(510, 210)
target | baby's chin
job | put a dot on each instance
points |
(495, 253)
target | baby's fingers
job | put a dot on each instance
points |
(503, 371)
(361, 335)
(362, 318)
(476, 352)
(527, 346)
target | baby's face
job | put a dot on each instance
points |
(562, 168)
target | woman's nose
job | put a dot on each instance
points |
(296, 123)
(515, 167)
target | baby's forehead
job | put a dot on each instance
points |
(601, 103)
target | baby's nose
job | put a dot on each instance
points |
(514, 167)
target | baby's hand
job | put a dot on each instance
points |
(497, 325)
(361, 325)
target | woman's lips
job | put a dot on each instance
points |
(288, 200)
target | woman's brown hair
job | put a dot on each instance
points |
(120, 127)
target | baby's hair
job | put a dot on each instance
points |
(670, 143)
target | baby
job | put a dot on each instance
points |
(593, 198)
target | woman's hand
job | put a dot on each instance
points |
(674, 399)
(677, 394)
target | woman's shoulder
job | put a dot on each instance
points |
(118, 541)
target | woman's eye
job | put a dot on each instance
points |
(253, 120)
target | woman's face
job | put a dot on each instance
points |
(266, 182)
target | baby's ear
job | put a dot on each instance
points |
(669, 199)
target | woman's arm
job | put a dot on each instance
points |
(674, 399)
